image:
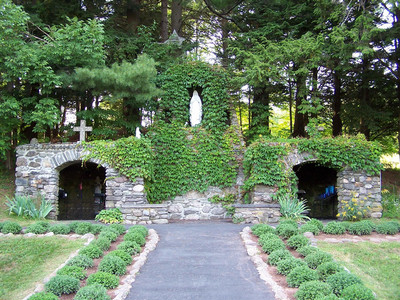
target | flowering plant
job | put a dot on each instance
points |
(353, 210)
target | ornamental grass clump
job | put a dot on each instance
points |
(357, 291)
(81, 261)
(334, 228)
(297, 241)
(62, 284)
(285, 266)
(36, 228)
(360, 228)
(92, 292)
(260, 229)
(278, 255)
(91, 251)
(43, 296)
(125, 256)
(103, 243)
(313, 260)
(307, 250)
(83, 228)
(109, 281)
(300, 275)
(60, 229)
(313, 290)
(341, 280)
(132, 248)
(327, 269)
(11, 227)
(286, 230)
(135, 236)
(112, 264)
(387, 228)
(73, 271)
(309, 228)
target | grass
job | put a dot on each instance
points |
(26, 262)
(378, 265)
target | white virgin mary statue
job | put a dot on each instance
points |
(196, 111)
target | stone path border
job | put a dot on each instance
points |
(262, 267)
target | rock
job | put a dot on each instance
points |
(308, 235)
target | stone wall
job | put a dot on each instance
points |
(257, 213)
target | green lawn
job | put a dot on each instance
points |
(378, 265)
(24, 262)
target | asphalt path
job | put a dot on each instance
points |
(199, 260)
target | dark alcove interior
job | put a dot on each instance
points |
(316, 185)
(81, 191)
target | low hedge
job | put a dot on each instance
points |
(285, 266)
(278, 255)
(73, 271)
(112, 264)
(341, 280)
(313, 290)
(82, 261)
(357, 291)
(298, 241)
(62, 284)
(300, 275)
(43, 296)
(92, 292)
(11, 227)
(109, 281)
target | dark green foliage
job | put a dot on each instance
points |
(119, 228)
(83, 228)
(328, 268)
(109, 234)
(265, 237)
(309, 228)
(357, 291)
(36, 228)
(125, 256)
(278, 255)
(44, 224)
(334, 228)
(73, 271)
(313, 260)
(300, 275)
(141, 228)
(112, 264)
(60, 229)
(129, 247)
(91, 251)
(360, 228)
(260, 229)
(339, 281)
(62, 284)
(329, 297)
(81, 261)
(288, 221)
(298, 241)
(137, 237)
(43, 296)
(317, 223)
(1, 225)
(285, 266)
(307, 250)
(11, 227)
(273, 245)
(102, 242)
(96, 228)
(387, 228)
(73, 225)
(92, 292)
(286, 230)
(109, 281)
(313, 290)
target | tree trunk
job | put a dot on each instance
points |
(164, 20)
(133, 15)
(260, 110)
(337, 124)
(299, 118)
(176, 16)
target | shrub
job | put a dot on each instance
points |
(1, 225)
(11, 227)
(112, 264)
(266, 237)
(313, 290)
(102, 242)
(341, 280)
(285, 266)
(357, 291)
(60, 229)
(309, 228)
(92, 292)
(81, 261)
(288, 221)
(334, 228)
(298, 241)
(317, 223)
(272, 245)
(329, 297)
(141, 228)
(43, 296)
(36, 228)
(328, 268)
(62, 284)
(73, 271)
(360, 228)
(91, 251)
(109, 234)
(135, 237)
(307, 250)
(109, 281)
(83, 228)
(73, 225)
(44, 224)
(119, 228)
(313, 260)
(300, 275)
(96, 228)
(110, 216)
(260, 229)
(387, 228)
(354, 209)
(287, 230)
(129, 247)
(125, 256)
(277, 256)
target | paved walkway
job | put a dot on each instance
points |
(196, 261)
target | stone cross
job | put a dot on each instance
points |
(82, 130)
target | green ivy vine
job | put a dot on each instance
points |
(210, 81)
